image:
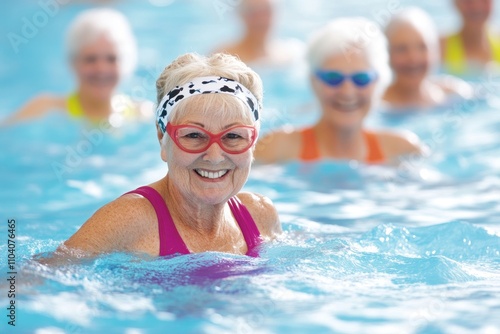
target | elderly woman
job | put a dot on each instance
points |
(257, 47)
(101, 50)
(207, 121)
(468, 51)
(348, 71)
(414, 54)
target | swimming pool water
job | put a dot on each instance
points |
(414, 249)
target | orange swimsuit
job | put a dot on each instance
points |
(310, 150)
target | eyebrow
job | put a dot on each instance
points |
(201, 125)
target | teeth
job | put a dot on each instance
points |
(211, 175)
(101, 79)
(347, 106)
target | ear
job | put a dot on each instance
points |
(163, 154)
(159, 134)
(163, 151)
(314, 82)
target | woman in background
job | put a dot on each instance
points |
(414, 54)
(102, 50)
(256, 47)
(349, 71)
(469, 50)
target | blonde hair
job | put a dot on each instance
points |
(191, 65)
(352, 35)
(91, 24)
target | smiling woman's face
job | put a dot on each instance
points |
(346, 105)
(212, 176)
(410, 56)
(96, 66)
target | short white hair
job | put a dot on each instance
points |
(91, 24)
(422, 23)
(348, 36)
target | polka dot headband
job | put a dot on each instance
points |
(204, 85)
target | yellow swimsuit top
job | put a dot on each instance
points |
(122, 104)
(455, 60)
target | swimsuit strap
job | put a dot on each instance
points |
(310, 148)
(309, 151)
(495, 47)
(170, 239)
(454, 54)
(74, 107)
(247, 225)
(375, 154)
(122, 104)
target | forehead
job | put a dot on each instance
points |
(403, 32)
(350, 59)
(213, 109)
(252, 5)
(98, 44)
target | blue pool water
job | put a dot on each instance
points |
(413, 249)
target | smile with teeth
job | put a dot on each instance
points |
(211, 174)
(411, 70)
(99, 80)
(347, 106)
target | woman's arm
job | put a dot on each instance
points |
(112, 228)
(401, 147)
(35, 108)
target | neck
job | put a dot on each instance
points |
(409, 92)
(256, 43)
(474, 37)
(207, 220)
(342, 143)
(92, 107)
(419, 96)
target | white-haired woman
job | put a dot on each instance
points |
(102, 50)
(414, 55)
(207, 121)
(348, 71)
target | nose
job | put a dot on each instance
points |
(214, 154)
(347, 87)
(414, 54)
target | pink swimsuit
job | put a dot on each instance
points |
(170, 239)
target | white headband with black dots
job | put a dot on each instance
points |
(204, 85)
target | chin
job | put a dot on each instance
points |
(412, 80)
(103, 93)
(214, 199)
(353, 120)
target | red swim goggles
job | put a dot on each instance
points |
(193, 139)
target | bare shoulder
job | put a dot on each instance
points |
(263, 212)
(396, 144)
(453, 85)
(35, 108)
(114, 227)
(278, 146)
(145, 110)
(48, 102)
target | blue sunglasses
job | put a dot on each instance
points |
(335, 78)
